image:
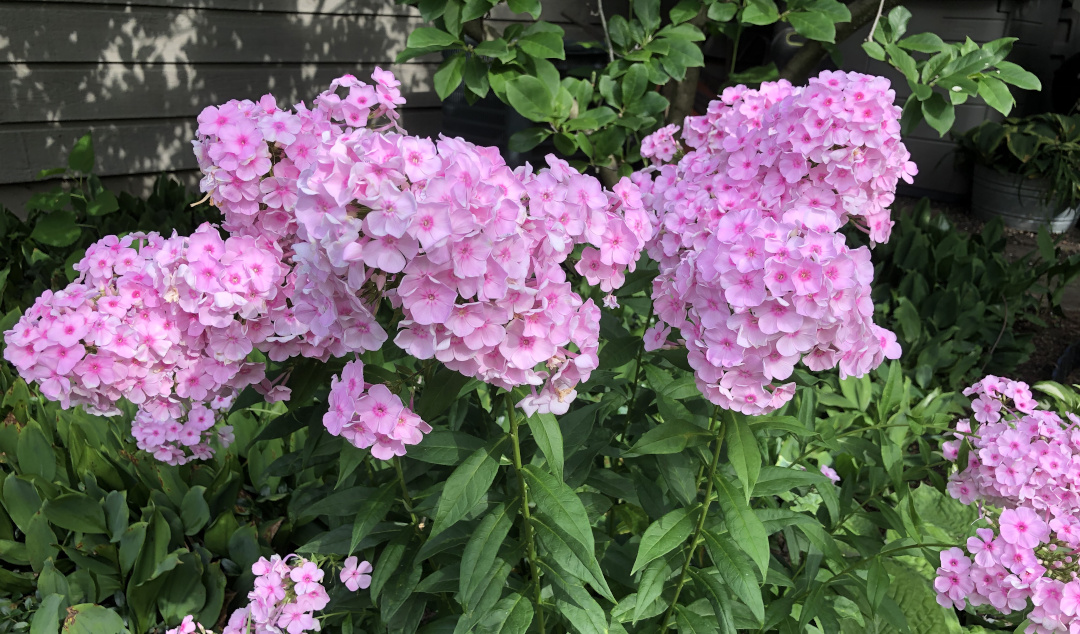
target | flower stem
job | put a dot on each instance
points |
(637, 376)
(530, 540)
(404, 489)
(696, 537)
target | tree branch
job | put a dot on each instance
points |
(812, 52)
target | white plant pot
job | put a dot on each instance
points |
(1019, 202)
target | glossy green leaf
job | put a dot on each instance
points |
(713, 589)
(742, 523)
(813, 25)
(532, 7)
(372, 511)
(81, 157)
(671, 437)
(57, 228)
(939, 113)
(449, 75)
(194, 511)
(664, 535)
(513, 614)
(736, 571)
(548, 436)
(464, 489)
(481, 550)
(759, 12)
(76, 512)
(530, 97)
(427, 36)
(742, 451)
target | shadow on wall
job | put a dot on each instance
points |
(137, 76)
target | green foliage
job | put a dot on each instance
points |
(43, 243)
(597, 118)
(954, 300)
(1039, 147)
(943, 75)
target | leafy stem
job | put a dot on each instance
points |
(695, 539)
(530, 540)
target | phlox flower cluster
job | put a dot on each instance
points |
(1026, 462)
(288, 592)
(252, 155)
(473, 253)
(753, 271)
(166, 323)
(371, 416)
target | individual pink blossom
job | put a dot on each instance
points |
(356, 576)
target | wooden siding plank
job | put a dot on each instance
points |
(98, 92)
(551, 10)
(131, 147)
(103, 34)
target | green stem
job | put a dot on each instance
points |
(530, 540)
(637, 377)
(695, 539)
(404, 489)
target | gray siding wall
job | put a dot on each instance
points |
(137, 73)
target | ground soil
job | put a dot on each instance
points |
(1062, 331)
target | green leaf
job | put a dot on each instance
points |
(532, 7)
(449, 75)
(923, 43)
(474, 9)
(57, 228)
(634, 83)
(87, 618)
(194, 511)
(481, 550)
(722, 11)
(877, 583)
(427, 36)
(684, 10)
(664, 535)
(476, 80)
(81, 158)
(777, 480)
(47, 617)
(1011, 73)
(737, 573)
(548, 435)
(996, 94)
(743, 525)
(670, 437)
(465, 487)
(371, 513)
(557, 503)
(21, 500)
(743, 452)
(445, 447)
(760, 12)
(898, 20)
(939, 113)
(492, 48)
(76, 512)
(530, 97)
(648, 13)
(544, 44)
(54, 171)
(511, 615)
(813, 25)
(527, 139)
(690, 622)
(874, 50)
(714, 591)
(104, 203)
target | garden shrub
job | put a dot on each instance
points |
(955, 301)
(43, 243)
(609, 489)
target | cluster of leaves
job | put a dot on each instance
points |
(87, 520)
(597, 117)
(1044, 146)
(943, 75)
(41, 245)
(955, 300)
